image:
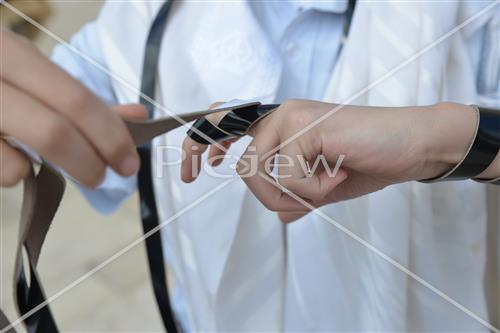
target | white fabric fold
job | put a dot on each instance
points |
(237, 267)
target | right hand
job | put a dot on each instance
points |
(381, 146)
(45, 108)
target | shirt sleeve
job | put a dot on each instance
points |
(115, 189)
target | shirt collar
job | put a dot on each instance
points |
(335, 6)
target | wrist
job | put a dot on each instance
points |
(451, 128)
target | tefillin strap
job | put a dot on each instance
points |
(235, 123)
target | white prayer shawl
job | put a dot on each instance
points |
(236, 266)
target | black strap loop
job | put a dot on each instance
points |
(234, 124)
(206, 127)
(149, 212)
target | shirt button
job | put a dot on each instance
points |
(291, 48)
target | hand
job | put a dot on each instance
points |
(380, 146)
(52, 113)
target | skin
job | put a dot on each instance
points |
(382, 146)
(52, 113)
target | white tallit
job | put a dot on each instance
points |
(238, 268)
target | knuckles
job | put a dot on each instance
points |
(13, 51)
(272, 205)
(295, 114)
(53, 136)
(316, 196)
(78, 103)
(117, 150)
(96, 178)
(14, 42)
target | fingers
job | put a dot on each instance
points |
(288, 217)
(35, 75)
(216, 153)
(51, 135)
(14, 166)
(193, 151)
(305, 171)
(253, 172)
(131, 111)
(316, 186)
(191, 164)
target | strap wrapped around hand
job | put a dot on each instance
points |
(236, 123)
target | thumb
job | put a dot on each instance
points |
(131, 111)
(288, 217)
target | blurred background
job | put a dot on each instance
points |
(117, 298)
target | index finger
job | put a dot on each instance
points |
(191, 163)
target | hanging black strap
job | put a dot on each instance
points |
(149, 213)
(43, 192)
(4, 322)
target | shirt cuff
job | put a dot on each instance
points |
(113, 191)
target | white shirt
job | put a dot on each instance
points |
(309, 279)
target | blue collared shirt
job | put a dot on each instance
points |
(308, 35)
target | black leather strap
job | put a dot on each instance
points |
(29, 295)
(490, 136)
(39, 207)
(235, 123)
(149, 212)
(483, 150)
(238, 121)
(151, 56)
(206, 127)
(4, 322)
(42, 194)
